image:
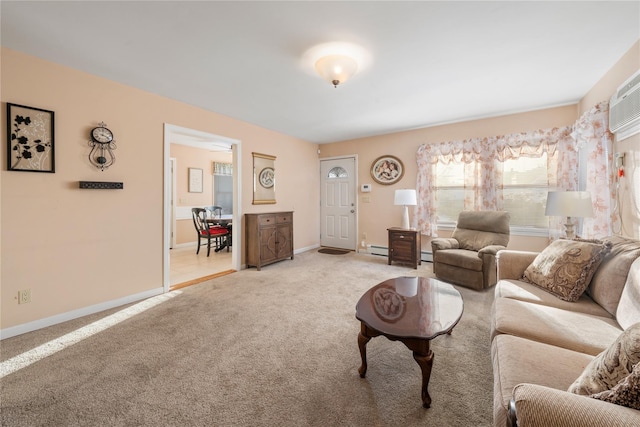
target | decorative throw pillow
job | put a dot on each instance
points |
(612, 365)
(626, 392)
(565, 267)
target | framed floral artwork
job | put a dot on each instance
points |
(30, 139)
(387, 170)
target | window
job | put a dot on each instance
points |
(223, 193)
(525, 190)
(337, 172)
(524, 184)
(450, 191)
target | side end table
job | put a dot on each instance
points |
(404, 246)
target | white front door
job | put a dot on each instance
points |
(338, 203)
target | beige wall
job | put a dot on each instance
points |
(629, 186)
(192, 157)
(380, 213)
(77, 248)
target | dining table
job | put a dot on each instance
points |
(224, 221)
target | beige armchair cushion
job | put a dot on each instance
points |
(476, 230)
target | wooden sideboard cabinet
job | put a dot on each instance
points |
(404, 246)
(269, 238)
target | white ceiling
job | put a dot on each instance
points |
(430, 62)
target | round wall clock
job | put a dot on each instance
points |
(102, 145)
(101, 135)
(267, 177)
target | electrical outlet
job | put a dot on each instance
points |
(24, 296)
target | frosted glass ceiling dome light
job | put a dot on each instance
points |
(335, 62)
(336, 69)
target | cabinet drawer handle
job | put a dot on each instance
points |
(401, 236)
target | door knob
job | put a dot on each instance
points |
(353, 211)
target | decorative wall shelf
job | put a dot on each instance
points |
(101, 185)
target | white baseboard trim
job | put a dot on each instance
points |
(185, 245)
(74, 314)
(308, 248)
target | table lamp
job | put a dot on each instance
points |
(405, 198)
(569, 204)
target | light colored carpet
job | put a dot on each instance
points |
(256, 348)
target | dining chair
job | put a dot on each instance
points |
(214, 211)
(212, 233)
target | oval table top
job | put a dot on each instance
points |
(411, 307)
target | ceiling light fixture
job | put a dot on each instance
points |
(336, 62)
(336, 69)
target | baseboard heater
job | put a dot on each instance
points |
(384, 251)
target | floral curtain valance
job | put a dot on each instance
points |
(483, 159)
(220, 168)
(501, 148)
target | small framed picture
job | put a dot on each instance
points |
(30, 139)
(387, 170)
(195, 180)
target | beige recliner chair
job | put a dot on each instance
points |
(468, 257)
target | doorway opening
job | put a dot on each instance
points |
(181, 265)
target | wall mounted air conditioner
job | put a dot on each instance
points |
(624, 108)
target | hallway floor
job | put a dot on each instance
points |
(185, 265)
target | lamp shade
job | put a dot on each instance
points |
(405, 197)
(336, 69)
(569, 204)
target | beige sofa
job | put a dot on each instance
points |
(541, 344)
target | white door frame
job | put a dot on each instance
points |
(236, 236)
(355, 190)
(172, 203)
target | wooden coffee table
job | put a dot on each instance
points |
(412, 310)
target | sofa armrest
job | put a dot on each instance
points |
(490, 250)
(444, 243)
(512, 264)
(534, 405)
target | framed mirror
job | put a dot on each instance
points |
(264, 179)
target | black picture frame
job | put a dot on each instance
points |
(30, 139)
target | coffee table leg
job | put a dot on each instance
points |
(362, 344)
(426, 363)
